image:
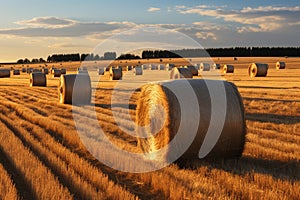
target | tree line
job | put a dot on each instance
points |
(71, 57)
(225, 52)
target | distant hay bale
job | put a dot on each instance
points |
(29, 70)
(4, 73)
(227, 69)
(63, 71)
(23, 70)
(216, 66)
(179, 73)
(56, 72)
(75, 89)
(144, 67)
(138, 70)
(101, 71)
(152, 67)
(170, 66)
(38, 79)
(204, 67)
(192, 69)
(115, 73)
(161, 67)
(258, 70)
(280, 65)
(16, 72)
(128, 68)
(157, 102)
(45, 70)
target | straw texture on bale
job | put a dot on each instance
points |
(154, 96)
(56, 72)
(204, 67)
(193, 70)
(38, 79)
(258, 70)
(280, 65)
(228, 69)
(216, 66)
(16, 72)
(115, 73)
(63, 71)
(4, 73)
(138, 70)
(75, 89)
(179, 73)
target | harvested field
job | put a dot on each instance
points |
(41, 155)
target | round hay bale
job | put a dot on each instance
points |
(45, 71)
(258, 70)
(144, 67)
(192, 69)
(216, 66)
(228, 69)
(23, 70)
(16, 72)
(29, 70)
(280, 65)
(161, 67)
(56, 72)
(128, 68)
(204, 67)
(63, 71)
(115, 73)
(38, 79)
(170, 66)
(138, 70)
(179, 73)
(152, 67)
(36, 70)
(75, 89)
(157, 102)
(4, 73)
(101, 71)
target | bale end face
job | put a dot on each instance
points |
(280, 65)
(38, 79)
(75, 89)
(157, 102)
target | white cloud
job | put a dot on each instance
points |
(206, 35)
(153, 9)
(261, 19)
(49, 22)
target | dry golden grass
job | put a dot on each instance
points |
(43, 156)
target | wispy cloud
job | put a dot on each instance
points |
(260, 19)
(153, 9)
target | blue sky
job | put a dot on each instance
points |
(37, 28)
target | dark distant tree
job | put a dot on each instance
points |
(26, 60)
(20, 61)
(109, 56)
(128, 57)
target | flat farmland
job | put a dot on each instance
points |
(42, 156)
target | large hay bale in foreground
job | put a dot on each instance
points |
(179, 73)
(38, 79)
(258, 70)
(115, 73)
(4, 73)
(16, 72)
(227, 69)
(192, 69)
(159, 117)
(56, 72)
(204, 67)
(75, 89)
(280, 65)
(138, 70)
